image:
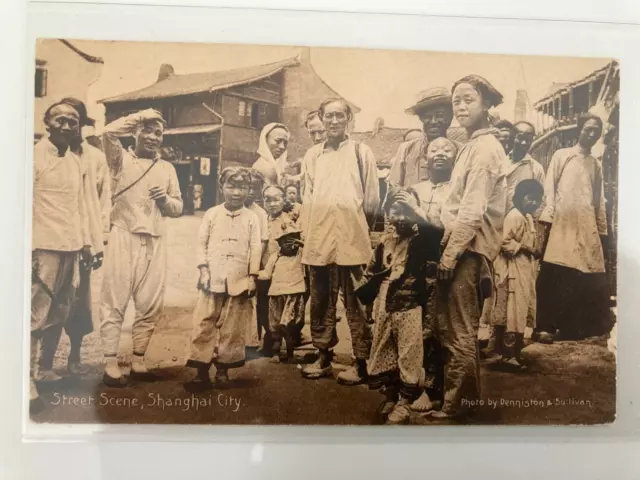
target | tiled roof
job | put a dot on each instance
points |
(187, 84)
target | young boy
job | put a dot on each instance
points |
(229, 251)
(515, 272)
(396, 277)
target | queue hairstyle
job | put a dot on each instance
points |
(585, 117)
(240, 174)
(504, 125)
(491, 96)
(277, 187)
(311, 116)
(524, 122)
(527, 187)
(328, 101)
(47, 112)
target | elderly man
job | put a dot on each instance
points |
(340, 199)
(65, 236)
(146, 190)
(409, 166)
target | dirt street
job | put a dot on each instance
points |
(578, 388)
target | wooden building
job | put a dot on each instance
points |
(215, 118)
(597, 93)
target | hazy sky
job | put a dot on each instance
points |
(381, 82)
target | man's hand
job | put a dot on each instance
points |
(204, 282)
(97, 261)
(251, 286)
(445, 273)
(86, 258)
(159, 194)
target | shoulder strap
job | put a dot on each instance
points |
(360, 164)
(134, 183)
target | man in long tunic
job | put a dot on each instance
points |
(340, 200)
(409, 166)
(62, 234)
(98, 201)
(572, 286)
(146, 190)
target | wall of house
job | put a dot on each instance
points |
(68, 74)
(303, 91)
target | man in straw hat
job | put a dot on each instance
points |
(409, 166)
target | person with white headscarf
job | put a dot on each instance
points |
(272, 149)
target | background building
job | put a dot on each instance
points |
(215, 118)
(55, 59)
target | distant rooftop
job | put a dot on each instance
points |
(86, 56)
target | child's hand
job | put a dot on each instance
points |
(251, 286)
(204, 282)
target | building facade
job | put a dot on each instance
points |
(214, 119)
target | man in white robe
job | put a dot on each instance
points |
(63, 238)
(145, 191)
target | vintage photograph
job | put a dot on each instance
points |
(288, 235)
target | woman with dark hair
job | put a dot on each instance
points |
(472, 215)
(572, 286)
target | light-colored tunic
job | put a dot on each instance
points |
(474, 210)
(58, 202)
(515, 276)
(575, 207)
(336, 204)
(229, 244)
(133, 210)
(263, 221)
(432, 196)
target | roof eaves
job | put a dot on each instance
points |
(86, 56)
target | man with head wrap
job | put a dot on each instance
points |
(145, 190)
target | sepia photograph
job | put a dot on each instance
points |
(234, 234)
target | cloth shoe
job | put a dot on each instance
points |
(222, 379)
(138, 365)
(400, 414)
(77, 368)
(48, 376)
(112, 375)
(317, 369)
(352, 376)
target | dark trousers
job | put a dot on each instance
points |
(326, 282)
(573, 302)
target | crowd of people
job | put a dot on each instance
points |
(474, 233)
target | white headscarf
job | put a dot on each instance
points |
(265, 152)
